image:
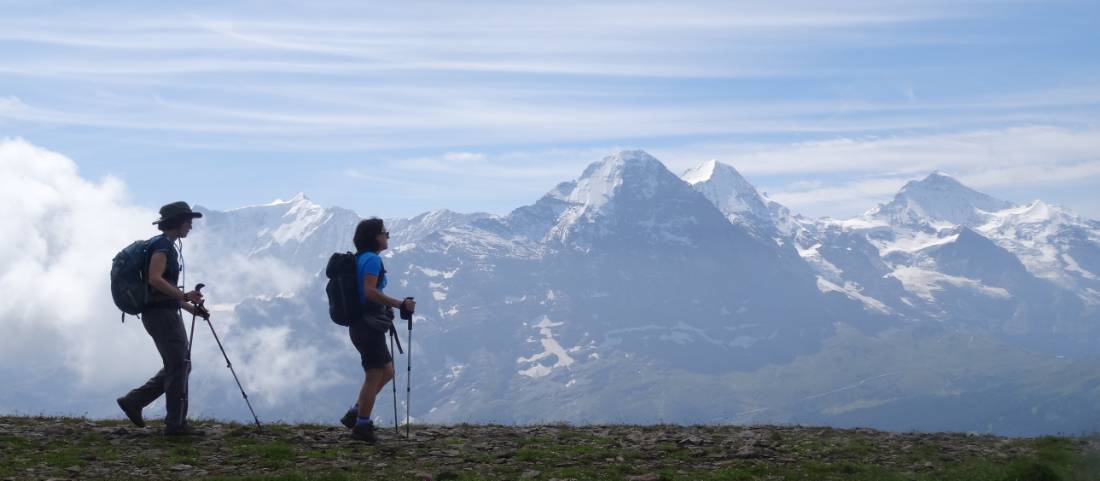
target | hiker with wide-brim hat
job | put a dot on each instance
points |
(162, 320)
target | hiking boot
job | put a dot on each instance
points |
(185, 430)
(349, 419)
(364, 432)
(133, 413)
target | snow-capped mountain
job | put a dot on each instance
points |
(295, 231)
(630, 294)
(421, 226)
(1045, 239)
(938, 198)
(1053, 243)
(629, 197)
(942, 251)
(738, 199)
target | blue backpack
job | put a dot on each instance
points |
(129, 286)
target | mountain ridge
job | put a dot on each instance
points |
(627, 295)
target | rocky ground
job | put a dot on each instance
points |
(66, 448)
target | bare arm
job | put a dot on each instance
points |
(371, 292)
(157, 264)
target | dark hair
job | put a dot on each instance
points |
(173, 223)
(366, 235)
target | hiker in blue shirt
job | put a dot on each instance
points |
(369, 334)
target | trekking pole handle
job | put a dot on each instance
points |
(410, 318)
(198, 288)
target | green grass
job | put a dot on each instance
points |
(183, 454)
(322, 453)
(275, 454)
(63, 457)
(294, 477)
(562, 452)
(531, 455)
(13, 442)
(858, 448)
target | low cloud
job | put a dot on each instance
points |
(233, 277)
(63, 341)
(60, 234)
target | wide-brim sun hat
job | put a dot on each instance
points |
(176, 210)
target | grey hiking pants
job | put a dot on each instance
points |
(165, 326)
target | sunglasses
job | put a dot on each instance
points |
(385, 233)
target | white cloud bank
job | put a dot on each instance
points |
(63, 346)
(60, 233)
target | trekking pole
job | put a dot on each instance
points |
(235, 378)
(393, 382)
(191, 337)
(187, 362)
(409, 366)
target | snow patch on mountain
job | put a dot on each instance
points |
(551, 347)
(926, 283)
(454, 370)
(852, 290)
(1073, 266)
(436, 273)
(812, 256)
(913, 241)
(857, 223)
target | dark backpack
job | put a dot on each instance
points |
(129, 286)
(343, 288)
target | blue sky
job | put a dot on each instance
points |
(396, 108)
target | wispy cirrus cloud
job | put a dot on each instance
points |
(563, 37)
(369, 87)
(844, 177)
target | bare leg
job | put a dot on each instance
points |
(387, 376)
(373, 383)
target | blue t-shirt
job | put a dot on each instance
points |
(369, 263)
